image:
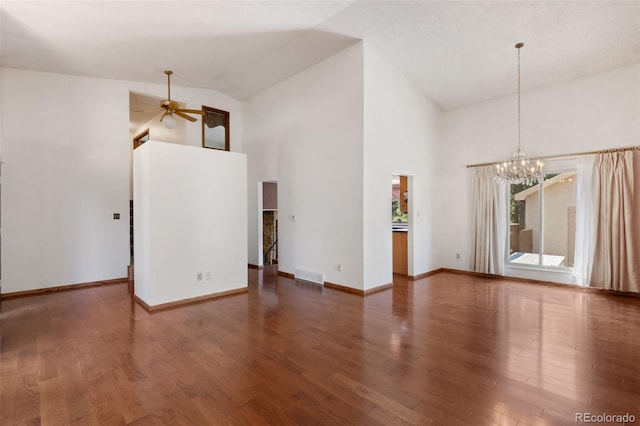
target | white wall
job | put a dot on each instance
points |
(592, 113)
(401, 134)
(1, 107)
(65, 174)
(158, 132)
(66, 152)
(306, 134)
(191, 219)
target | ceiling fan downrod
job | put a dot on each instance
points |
(168, 73)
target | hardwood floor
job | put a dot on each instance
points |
(446, 349)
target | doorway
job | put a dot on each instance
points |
(269, 223)
(400, 223)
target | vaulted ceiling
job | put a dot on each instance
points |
(457, 53)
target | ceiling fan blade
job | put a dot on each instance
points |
(185, 116)
(190, 111)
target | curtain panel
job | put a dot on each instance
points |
(585, 221)
(614, 260)
(490, 222)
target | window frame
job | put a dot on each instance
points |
(227, 124)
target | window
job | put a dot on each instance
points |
(140, 139)
(215, 128)
(542, 222)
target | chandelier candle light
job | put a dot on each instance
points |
(519, 169)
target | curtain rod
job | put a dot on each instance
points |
(575, 154)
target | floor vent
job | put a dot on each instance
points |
(311, 276)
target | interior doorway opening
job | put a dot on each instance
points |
(269, 223)
(400, 223)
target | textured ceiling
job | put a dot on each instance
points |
(461, 53)
(457, 53)
(238, 48)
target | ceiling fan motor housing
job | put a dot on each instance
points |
(169, 105)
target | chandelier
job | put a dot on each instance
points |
(520, 169)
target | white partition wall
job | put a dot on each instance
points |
(190, 222)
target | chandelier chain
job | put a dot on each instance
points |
(519, 169)
(518, 99)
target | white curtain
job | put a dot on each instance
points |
(585, 223)
(490, 222)
(613, 253)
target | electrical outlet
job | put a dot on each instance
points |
(199, 276)
(116, 216)
(339, 268)
(457, 255)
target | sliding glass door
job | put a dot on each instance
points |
(542, 222)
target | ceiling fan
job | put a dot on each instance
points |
(172, 108)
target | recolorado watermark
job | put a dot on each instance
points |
(605, 418)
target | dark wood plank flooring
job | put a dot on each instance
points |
(447, 349)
